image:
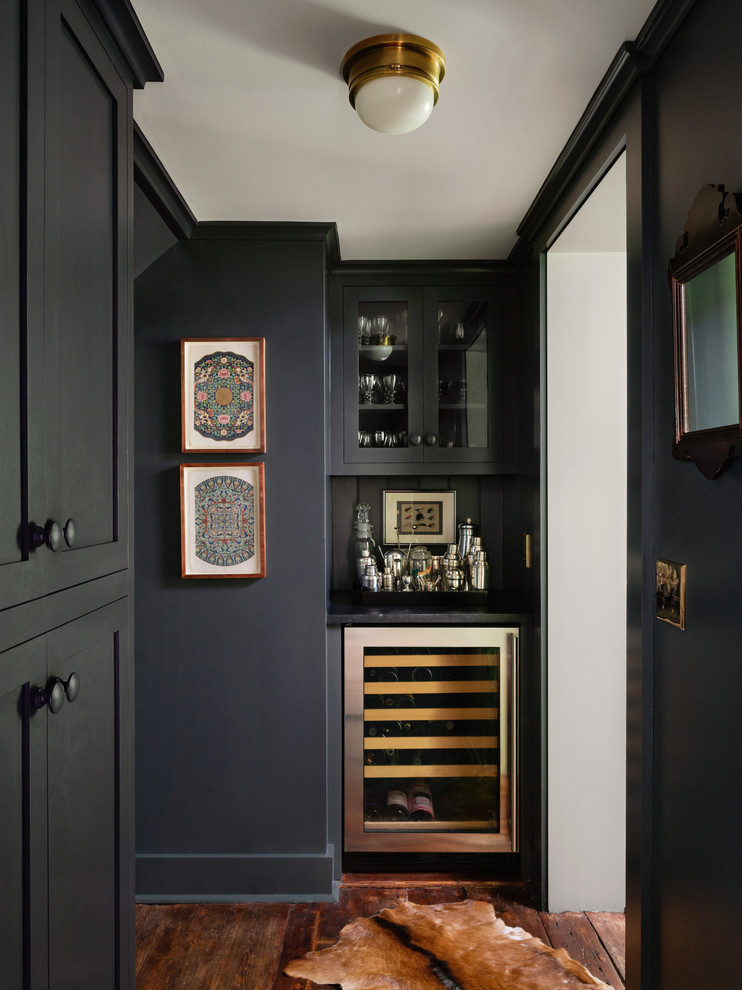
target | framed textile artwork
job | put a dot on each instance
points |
(223, 394)
(222, 520)
(419, 517)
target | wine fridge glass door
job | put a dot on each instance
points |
(430, 739)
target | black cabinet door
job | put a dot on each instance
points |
(10, 280)
(87, 297)
(89, 804)
(66, 789)
(22, 574)
(465, 411)
(23, 863)
(64, 301)
(382, 424)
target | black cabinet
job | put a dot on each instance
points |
(421, 377)
(66, 339)
(66, 778)
(66, 850)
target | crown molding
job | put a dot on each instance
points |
(128, 34)
(154, 181)
(266, 230)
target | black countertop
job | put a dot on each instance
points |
(342, 612)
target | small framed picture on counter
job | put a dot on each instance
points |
(222, 520)
(419, 517)
(223, 394)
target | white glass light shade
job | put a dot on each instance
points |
(394, 104)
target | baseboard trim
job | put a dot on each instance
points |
(208, 878)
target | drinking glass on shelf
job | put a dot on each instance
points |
(389, 387)
(379, 438)
(367, 384)
(381, 325)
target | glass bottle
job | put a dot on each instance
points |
(420, 803)
(397, 806)
(364, 547)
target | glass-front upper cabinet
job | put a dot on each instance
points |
(463, 417)
(383, 374)
(422, 378)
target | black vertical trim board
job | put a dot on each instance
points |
(115, 306)
(24, 712)
(23, 277)
(641, 937)
(117, 801)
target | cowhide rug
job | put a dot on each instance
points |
(460, 946)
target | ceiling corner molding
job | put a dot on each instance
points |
(659, 28)
(268, 230)
(413, 269)
(633, 60)
(332, 248)
(125, 28)
(152, 178)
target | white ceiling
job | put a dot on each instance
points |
(253, 122)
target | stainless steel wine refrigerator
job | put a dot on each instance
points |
(430, 739)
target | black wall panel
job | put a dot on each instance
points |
(152, 237)
(231, 753)
(698, 674)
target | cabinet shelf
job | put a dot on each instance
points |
(371, 348)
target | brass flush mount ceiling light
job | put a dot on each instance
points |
(393, 81)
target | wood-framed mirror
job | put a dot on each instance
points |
(706, 284)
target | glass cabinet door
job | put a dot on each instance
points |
(433, 734)
(461, 421)
(422, 375)
(383, 369)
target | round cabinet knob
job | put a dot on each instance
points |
(50, 535)
(56, 696)
(70, 533)
(431, 439)
(415, 439)
(52, 695)
(72, 687)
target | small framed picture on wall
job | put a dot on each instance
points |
(222, 520)
(223, 394)
(419, 517)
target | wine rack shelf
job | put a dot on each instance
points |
(436, 770)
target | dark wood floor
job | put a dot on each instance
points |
(246, 946)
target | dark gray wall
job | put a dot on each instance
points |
(153, 237)
(696, 851)
(231, 752)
